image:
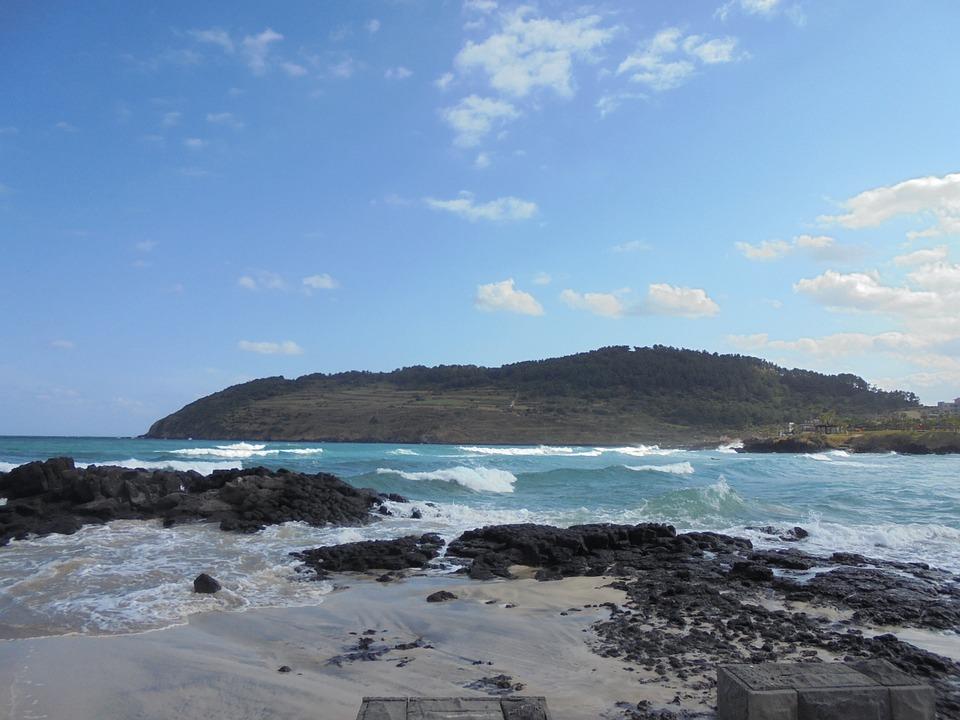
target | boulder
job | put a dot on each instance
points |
(205, 584)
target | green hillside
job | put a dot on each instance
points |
(606, 396)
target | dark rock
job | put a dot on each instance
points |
(441, 596)
(284, 669)
(751, 571)
(56, 496)
(416, 513)
(399, 554)
(203, 583)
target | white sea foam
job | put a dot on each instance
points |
(538, 451)
(820, 457)
(7, 467)
(681, 468)
(402, 451)
(640, 450)
(242, 451)
(204, 468)
(731, 447)
(839, 453)
(479, 479)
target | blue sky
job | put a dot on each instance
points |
(193, 195)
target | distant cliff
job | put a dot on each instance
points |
(606, 396)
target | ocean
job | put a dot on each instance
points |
(132, 576)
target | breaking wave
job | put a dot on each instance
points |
(681, 468)
(402, 451)
(731, 447)
(477, 479)
(204, 468)
(7, 467)
(538, 451)
(242, 451)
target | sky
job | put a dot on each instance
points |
(194, 195)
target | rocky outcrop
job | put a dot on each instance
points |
(581, 549)
(55, 496)
(399, 554)
(793, 444)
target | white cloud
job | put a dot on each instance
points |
(932, 198)
(669, 59)
(256, 48)
(146, 246)
(529, 52)
(195, 143)
(474, 117)
(293, 69)
(922, 257)
(479, 6)
(608, 104)
(482, 161)
(504, 296)
(750, 7)
(665, 299)
(214, 36)
(320, 282)
(262, 280)
(505, 208)
(444, 81)
(605, 304)
(865, 292)
(397, 73)
(224, 118)
(343, 69)
(542, 278)
(372, 26)
(630, 246)
(765, 250)
(63, 344)
(821, 247)
(287, 347)
(170, 119)
(64, 126)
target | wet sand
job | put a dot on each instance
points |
(225, 664)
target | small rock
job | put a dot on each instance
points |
(441, 596)
(284, 669)
(203, 583)
(416, 513)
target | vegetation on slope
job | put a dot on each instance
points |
(614, 394)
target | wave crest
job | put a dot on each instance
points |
(479, 479)
(681, 468)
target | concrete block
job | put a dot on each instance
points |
(869, 690)
(846, 703)
(453, 708)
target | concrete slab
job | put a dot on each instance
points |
(869, 690)
(453, 708)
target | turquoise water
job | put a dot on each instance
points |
(889, 506)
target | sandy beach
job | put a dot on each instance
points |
(225, 664)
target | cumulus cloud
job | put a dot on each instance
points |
(923, 257)
(933, 199)
(528, 52)
(256, 48)
(474, 117)
(444, 81)
(398, 73)
(821, 247)
(670, 58)
(505, 208)
(287, 347)
(372, 26)
(665, 299)
(322, 281)
(542, 278)
(605, 304)
(865, 292)
(262, 280)
(503, 296)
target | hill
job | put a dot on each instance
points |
(606, 396)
